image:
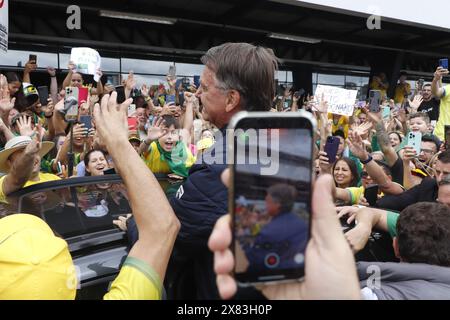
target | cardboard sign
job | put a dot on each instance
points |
(4, 25)
(87, 61)
(340, 101)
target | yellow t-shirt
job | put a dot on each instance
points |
(400, 92)
(43, 177)
(374, 85)
(342, 124)
(136, 281)
(355, 194)
(444, 115)
(152, 159)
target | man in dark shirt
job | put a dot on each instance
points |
(429, 105)
(237, 77)
(427, 191)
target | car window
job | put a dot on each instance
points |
(75, 207)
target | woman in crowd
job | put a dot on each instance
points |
(345, 173)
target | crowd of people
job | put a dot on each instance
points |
(182, 243)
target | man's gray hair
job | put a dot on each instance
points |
(246, 68)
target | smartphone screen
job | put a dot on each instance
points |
(443, 63)
(43, 95)
(170, 98)
(33, 57)
(120, 94)
(371, 195)
(331, 148)
(374, 101)
(87, 121)
(271, 196)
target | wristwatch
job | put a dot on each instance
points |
(368, 160)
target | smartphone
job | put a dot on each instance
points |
(83, 94)
(71, 104)
(109, 171)
(375, 101)
(447, 137)
(132, 123)
(87, 121)
(443, 63)
(371, 194)
(43, 95)
(59, 167)
(33, 57)
(331, 148)
(170, 98)
(172, 71)
(415, 141)
(131, 109)
(420, 83)
(270, 197)
(386, 113)
(120, 94)
(186, 83)
(197, 81)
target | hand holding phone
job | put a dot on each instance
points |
(33, 57)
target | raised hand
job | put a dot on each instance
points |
(111, 119)
(51, 71)
(416, 102)
(157, 129)
(356, 146)
(72, 66)
(6, 103)
(130, 83)
(79, 131)
(24, 126)
(409, 154)
(440, 73)
(363, 128)
(144, 91)
(35, 146)
(30, 66)
(324, 163)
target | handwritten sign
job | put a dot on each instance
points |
(4, 25)
(340, 101)
(87, 61)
